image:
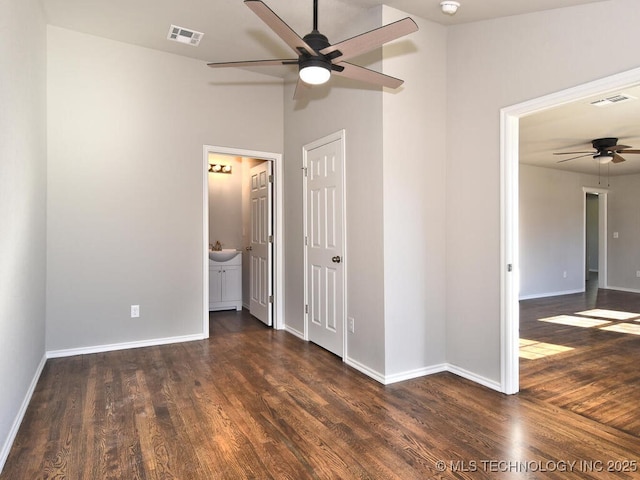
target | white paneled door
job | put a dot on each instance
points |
(324, 240)
(261, 243)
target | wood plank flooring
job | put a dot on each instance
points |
(600, 377)
(255, 403)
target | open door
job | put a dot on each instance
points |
(260, 250)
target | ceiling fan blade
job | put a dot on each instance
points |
(370, 40)
(275, 23)
(628, 151)
(363, 74)
(590, 154)
(253, 63)
(617, 148)
(617, 158)
(301, 89)
(573, 153)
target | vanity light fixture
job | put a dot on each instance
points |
(449, 7)
(219, 168)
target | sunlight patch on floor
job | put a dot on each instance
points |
(631, 328)
(574, 321)
(610, 314)
(532, 349)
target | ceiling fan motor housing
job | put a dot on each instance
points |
(605, 144)
(317, 41)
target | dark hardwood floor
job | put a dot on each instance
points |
(600, 377)
(256, 403)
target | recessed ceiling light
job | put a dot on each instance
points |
(184, 35)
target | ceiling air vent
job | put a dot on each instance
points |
(184, 35)
(603, 102)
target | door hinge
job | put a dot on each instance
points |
(509, 267)
(304, 171)
(270, 238)
(270, 178)
(306, 241)
(306, 309)
(270, 298)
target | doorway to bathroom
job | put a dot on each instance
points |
(242, 205)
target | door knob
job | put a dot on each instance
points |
(249, 248)
(336, 259)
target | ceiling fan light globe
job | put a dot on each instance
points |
(314, 75)
(603, 158)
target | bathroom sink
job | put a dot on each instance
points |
(223, 255)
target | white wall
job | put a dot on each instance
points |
(494, 64)
(22, 208)
(226, 203)
(624, 218)
(414, 164)
(552, 230)
(126, 130)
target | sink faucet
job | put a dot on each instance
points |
(217, 247)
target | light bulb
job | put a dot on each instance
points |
(315, 75)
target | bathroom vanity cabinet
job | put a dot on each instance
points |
(225, 284)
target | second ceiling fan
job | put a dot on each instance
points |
(607, 150)
(317, 58)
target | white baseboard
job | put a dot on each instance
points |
(423, 372)
(550, 294)
(623, 289)
(294, 332)
(369, 372)
(570, 292)
(461, 372)
(419, 372)
(123, 346)
(6, 448)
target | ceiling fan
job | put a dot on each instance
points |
(317, 58)
(607, 150)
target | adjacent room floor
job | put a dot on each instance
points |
(581, 352)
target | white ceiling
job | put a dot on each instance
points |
(233, 32)
(572, 127)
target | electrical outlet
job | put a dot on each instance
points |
(638, 273)
(135, 311)
(352, 324)
(564, 274)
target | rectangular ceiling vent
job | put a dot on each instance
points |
(184, 35)
(604, 102)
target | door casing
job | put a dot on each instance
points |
(279, 320)
(602, 194)
(509, 205)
